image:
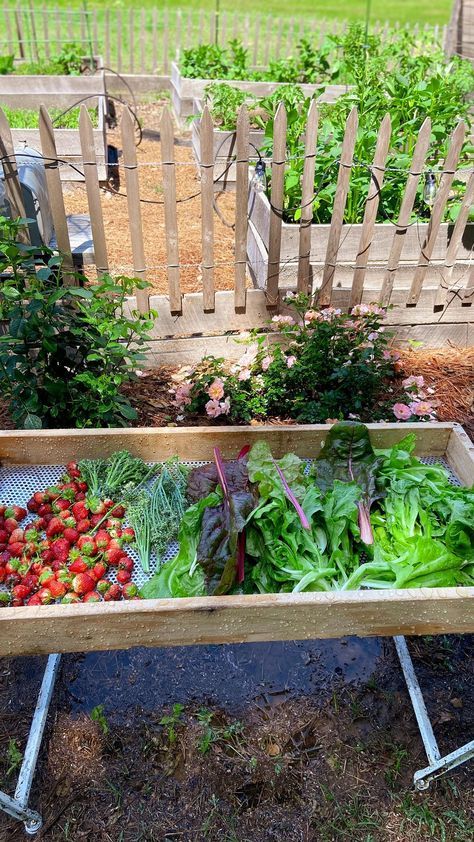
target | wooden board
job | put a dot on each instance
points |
(230, 619)
(51, 91)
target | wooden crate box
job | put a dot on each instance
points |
(231, 619)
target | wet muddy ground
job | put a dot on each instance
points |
(311, 740)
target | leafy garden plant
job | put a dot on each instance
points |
(325, 365)
(70, 61)
(28, 118)
(65, 350)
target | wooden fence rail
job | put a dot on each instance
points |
(422, 267)
(147, 40)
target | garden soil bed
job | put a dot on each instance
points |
(305, 742)
(116, 218)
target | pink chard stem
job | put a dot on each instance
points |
(291, 497)
(366, 534)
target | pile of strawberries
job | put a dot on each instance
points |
(64, 554)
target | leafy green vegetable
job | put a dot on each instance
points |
(348, 455)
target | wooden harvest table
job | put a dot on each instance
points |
(230, 619)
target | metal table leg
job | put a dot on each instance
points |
(437, 765)
(18, 805)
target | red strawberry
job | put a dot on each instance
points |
(64, 576)
(123, 576)
(102, 539)
(55, 527)
(4, 599)
(58, 589)
(46, 575)
(99, 570)
(92, 596)
(113, 555)
(60, 505)
(113, 594)
(66, 515)
(4, 535)
(45, 509)
(95, 505)
(47, 556)
(72, 469)
(31, 534)
(70, 598)
(3, 574)
(32, 505)
(71, 535)
(79, 511)
(16, 549)
(10, 524)
(39, 497)
(126, 563)
(95, 520)
(83, 525)
(86, 544)
(78, 566)
(39, 524)
(15, 512)
(113, 523)
(128, 534)
(12, 565)
(83, 583)
(82, 486)
(30, 581)
(18, 535)
(35, 600)
(60, 548)
(20, 592)
(45, 596)
(12, 579)
(103, 585)
(129, 590)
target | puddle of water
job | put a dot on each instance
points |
(232, 677)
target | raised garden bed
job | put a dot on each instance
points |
(22, 91)
(259, 231)
(68, 144)
(226, 619)
(184, 90)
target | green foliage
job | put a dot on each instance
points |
(14, 756)
(327, 365)
(65, 351)
(98, 715)
(6, 65)
(28, 118)
(171, 722)
(210, 61)
(213, 733)
(71, 61)
(224, 102)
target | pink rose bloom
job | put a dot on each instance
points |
(312, 316)
(266, 362)
(372, 337)
(402, 411)
(245, 374)
(216, 389)
(290, 361)
(225, 406)
(249, 357)
(331, 313)
(213, 409)
(182, 394)
(413, 381)
(283, 320)
(421, 408)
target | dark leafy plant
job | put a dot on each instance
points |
(65, 351)
(6, 65)
(70, 61)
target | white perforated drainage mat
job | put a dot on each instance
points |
(18, 484)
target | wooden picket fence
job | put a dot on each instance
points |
(459, 39)
(147, 40)
(435, 291)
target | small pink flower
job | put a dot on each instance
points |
(216, 389)
(225, 406)
(213, 409)
(182, 394)
(312, 316)
(249, 357)
(245, 374)
(413, 380)
(330, 313)
(283, 320)
(402, 411)
(290, 361)
(421, 408)
(373, 336)
(266, 362)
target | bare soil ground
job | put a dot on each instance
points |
(116, 217)
(322, 761)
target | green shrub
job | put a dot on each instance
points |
(65, 351)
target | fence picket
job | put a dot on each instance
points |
(246, 31)
(46, 32)
(212, 28)
(235, 25)
(34, 35)
(454, 243)
(307, 195)
(8, 26)
(82, 16)
(449, 169)
(95, 33)
(154, 39)
(119, 40)
(55, 193)
(207, 200)
(468, 295)
(107, 37)
(416, 170)
(342, 189)
(267, 40)
(276, 212)
(19, 32)
(70, 25)
(241, 202)
(171, 221)
(91, 179)
(133, 202)
(255, 40)
(223, 29)
(201, 25)
(143, 40)
(10, 173)
(371, 208)
(178, 36)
